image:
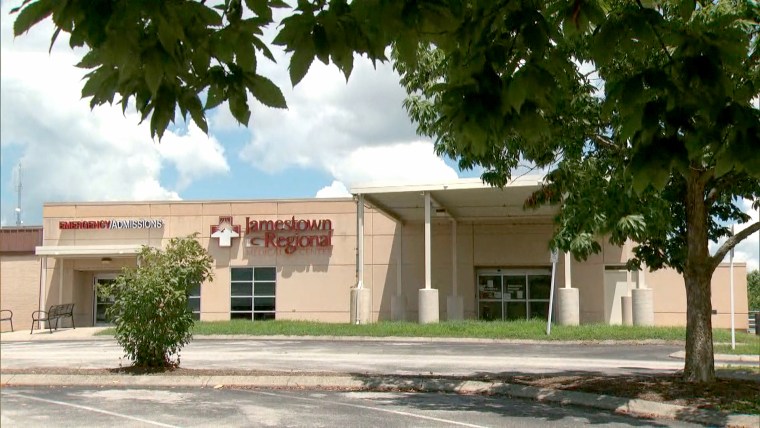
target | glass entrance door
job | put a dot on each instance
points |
(508, 294)
(101, 303)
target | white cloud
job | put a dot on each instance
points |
(69, 152)
(334, 190)
(413, 162)
(746, 251)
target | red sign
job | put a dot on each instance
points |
(291, 234)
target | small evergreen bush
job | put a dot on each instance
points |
(150, 311)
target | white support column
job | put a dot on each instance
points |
(398, 301)
(360, 298)
(43, 286)
(568, 299)
(642, 302)
(428, 297)
(360, 242)
(454, 303)
(60, 282)
(428, 268)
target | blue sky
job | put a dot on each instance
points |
(334, 135)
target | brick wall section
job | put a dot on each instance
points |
(19, 288)
(20, 240)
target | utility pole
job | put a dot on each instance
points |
(18, 195)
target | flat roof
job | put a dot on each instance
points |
(467, 199)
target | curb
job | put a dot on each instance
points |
(727, 358)
(633, 407)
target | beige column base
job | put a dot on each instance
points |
(568, 306)
(643, 306)
(361, 299)
(627, 309)
(398, 308)
(454, 308)
(428, 306)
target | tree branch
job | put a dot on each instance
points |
(731, 243)
(657, 34)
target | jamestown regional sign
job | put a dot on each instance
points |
(144, 223)
(291, 234)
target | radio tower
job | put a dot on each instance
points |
(18, 195)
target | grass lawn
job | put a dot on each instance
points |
(527, 330)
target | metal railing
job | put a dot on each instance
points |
(754, 319)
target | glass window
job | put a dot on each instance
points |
(490, 311)
(515, 311)
(489, 287)
(194, 301)
(241, 289)
(539, 286)
(253, 293)
(514, 287)
(264, 289)
(264, 274)
(539, 310)
(242, 274)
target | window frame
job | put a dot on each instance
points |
(263, 315)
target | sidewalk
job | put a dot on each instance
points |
(411, 382)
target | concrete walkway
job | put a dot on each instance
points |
(235, 351)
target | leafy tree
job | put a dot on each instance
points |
(753, 290)
(657, 149)
(674, 130)
(150, 309)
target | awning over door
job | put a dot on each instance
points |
(461, 200)
(77, 251)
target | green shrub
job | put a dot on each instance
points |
(150, 311)
(753, 290)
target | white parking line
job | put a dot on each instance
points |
(359, 406)
(91, 409)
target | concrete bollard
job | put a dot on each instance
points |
(568, 305)
(428, 306)
(627, 309)
(361, 299)
(643, 306)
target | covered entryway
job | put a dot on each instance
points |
(485, 213)
(72, 273)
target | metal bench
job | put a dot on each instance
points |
(55, 313)
(6, 315)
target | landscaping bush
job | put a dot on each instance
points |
(150, 310)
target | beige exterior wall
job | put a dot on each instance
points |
(314, 283)
(19, 288)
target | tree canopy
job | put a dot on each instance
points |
(644, 112)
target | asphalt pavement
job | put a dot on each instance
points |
(420, 364)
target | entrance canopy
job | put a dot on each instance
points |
(82, 251)
(459, 200)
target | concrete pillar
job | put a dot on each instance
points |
(642, 306)
(398, 307)
(428, 305)
(361, 306)
(627, 309)
(454, 308)
(568, 302)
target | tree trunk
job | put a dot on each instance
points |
(700, 363)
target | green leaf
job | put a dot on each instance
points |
(239, 107)
(32, 14)
(321, 44)
(300, 63)
(266, 92)
(215, 96)
(516, 94)
(686, 8)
